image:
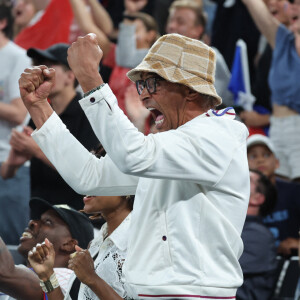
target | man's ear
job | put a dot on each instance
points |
(69, 246)
(192, 95)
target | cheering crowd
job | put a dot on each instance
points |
(130, 169)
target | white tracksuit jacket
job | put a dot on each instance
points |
(192, 191)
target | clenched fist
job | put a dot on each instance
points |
(36, 84)
(84, 57)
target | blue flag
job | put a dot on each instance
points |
(240, 81)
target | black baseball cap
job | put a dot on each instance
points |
(56, 53)
(79, 225)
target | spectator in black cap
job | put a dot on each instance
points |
(98, 270)
(65, 227)
(45, 181)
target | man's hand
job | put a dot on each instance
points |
(41, 259)
(16, 158)
(84, 57)
(132, 6)
(35, 85)
(23, 143)
(82, 264)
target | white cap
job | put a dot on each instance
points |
(259, 139)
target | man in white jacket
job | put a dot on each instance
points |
(191, 180)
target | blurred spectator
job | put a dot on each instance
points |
(258, 260)
(285, 68)
(45, 181)
(90, 16)
(65, 227)
(117, 9)
(14, 193)
(50, 25)
(232, 22)
(260, 116)
(137, 33)
(24, 12)
(284, 220)
(186, 17)
(97, 16)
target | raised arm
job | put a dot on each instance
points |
(81, 170)
(17, 281)
(264, 21)
(101, 17)
(87, 24)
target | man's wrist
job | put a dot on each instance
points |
(93, 280)
(99, 87)
(40, 113)
(50, 284)
(89, 83)
(46, 275)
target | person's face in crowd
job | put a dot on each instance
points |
(256, 199)
(144, 38)
(49, 226)
(294, 17)
(183, 21)
(167, 104)
(279, 9)
(63, 78)
(106, 205)
(262, 159)
(23, 12)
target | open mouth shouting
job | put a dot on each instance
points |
(26, 235)
(157, 116)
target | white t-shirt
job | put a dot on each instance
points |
(13, 61)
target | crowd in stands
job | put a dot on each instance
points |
(33, 194)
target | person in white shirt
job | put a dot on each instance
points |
(190, 180)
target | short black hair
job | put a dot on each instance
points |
(267, 188)
(6, 14)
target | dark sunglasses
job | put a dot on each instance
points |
(150, 84)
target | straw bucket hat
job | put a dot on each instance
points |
(183, 60)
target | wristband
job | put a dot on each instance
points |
(94, 90)
(50, 284)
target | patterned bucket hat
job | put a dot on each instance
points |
(183, 60)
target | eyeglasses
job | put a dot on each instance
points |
(150, 84)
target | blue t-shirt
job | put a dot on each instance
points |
(285, 71)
